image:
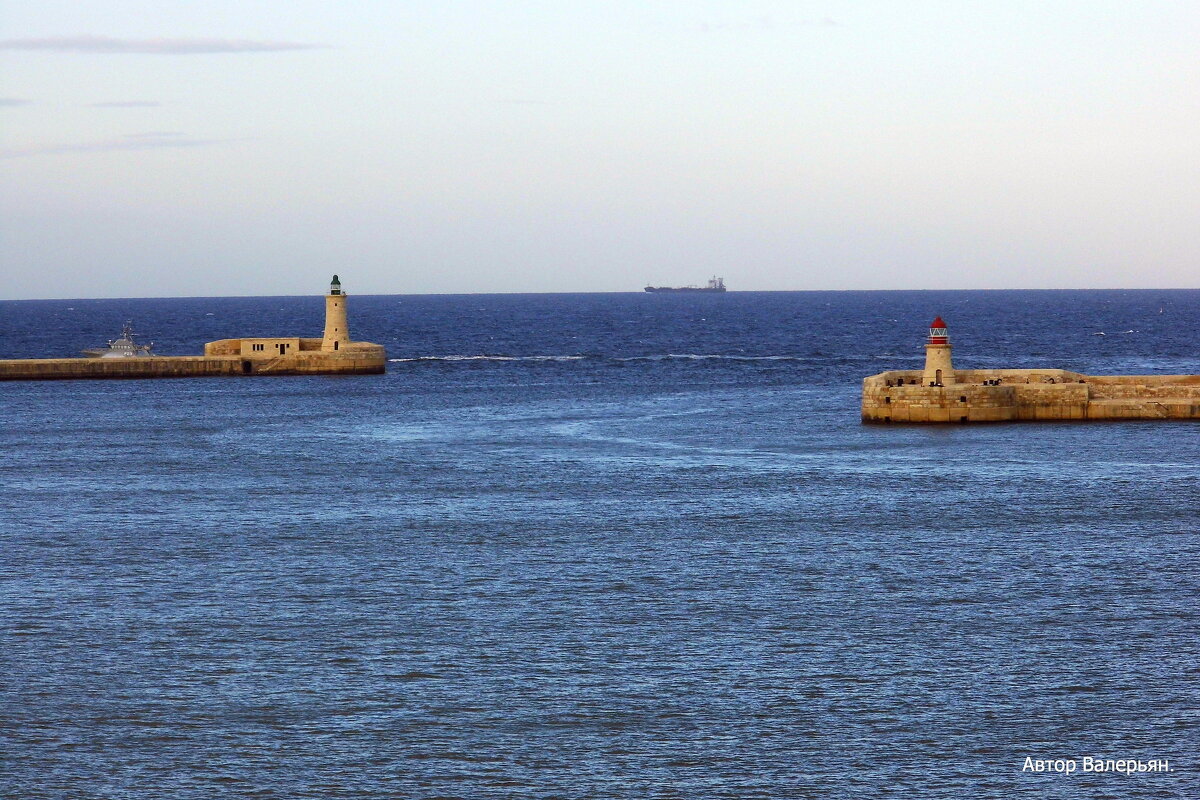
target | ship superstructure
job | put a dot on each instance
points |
(715, 284)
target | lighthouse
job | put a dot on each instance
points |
(337, 334)
(938, 369)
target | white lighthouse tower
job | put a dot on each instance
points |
(337, 333)
(938, 369)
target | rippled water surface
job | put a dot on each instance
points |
(610, 546)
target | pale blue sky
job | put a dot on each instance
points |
(218, 148)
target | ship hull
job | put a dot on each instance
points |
(684, 289)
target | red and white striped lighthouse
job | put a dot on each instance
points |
(938, 369)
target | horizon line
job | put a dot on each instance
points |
(630, 292)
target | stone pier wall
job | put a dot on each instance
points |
(1012, 395)
(367, 359)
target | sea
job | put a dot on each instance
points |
(597, 546)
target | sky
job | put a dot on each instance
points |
(152, 149)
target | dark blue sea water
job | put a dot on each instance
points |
(595, 546)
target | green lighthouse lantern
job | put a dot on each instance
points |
(335, 286)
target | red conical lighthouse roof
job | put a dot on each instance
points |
(937, 332)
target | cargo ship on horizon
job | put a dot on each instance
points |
(715, 284)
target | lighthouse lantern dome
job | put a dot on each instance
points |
(937, 332)
(335, 286)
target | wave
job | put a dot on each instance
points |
(626, 359)
(493, 358)
(717, 357)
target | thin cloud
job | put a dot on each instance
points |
(150, 140)
(167, 47)
(127, 104)
(527, 101)
(767, 23)
(14, 101)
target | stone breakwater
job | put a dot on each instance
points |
(332, 354)
(1009, 395)
(354, 360)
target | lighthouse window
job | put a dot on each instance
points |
(887, 399)
(335, 345)
(962, 399)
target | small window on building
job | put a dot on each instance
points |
(962, 399)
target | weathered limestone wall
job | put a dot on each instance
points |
(153, 367)
(238, 347)
(1167, 408)
(356, 358)
(223, 347)
(279, 347)
(359, 358)
(1135, 389)
(1009, 395)
(953, 403)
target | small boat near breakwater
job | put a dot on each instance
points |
(124, 347)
